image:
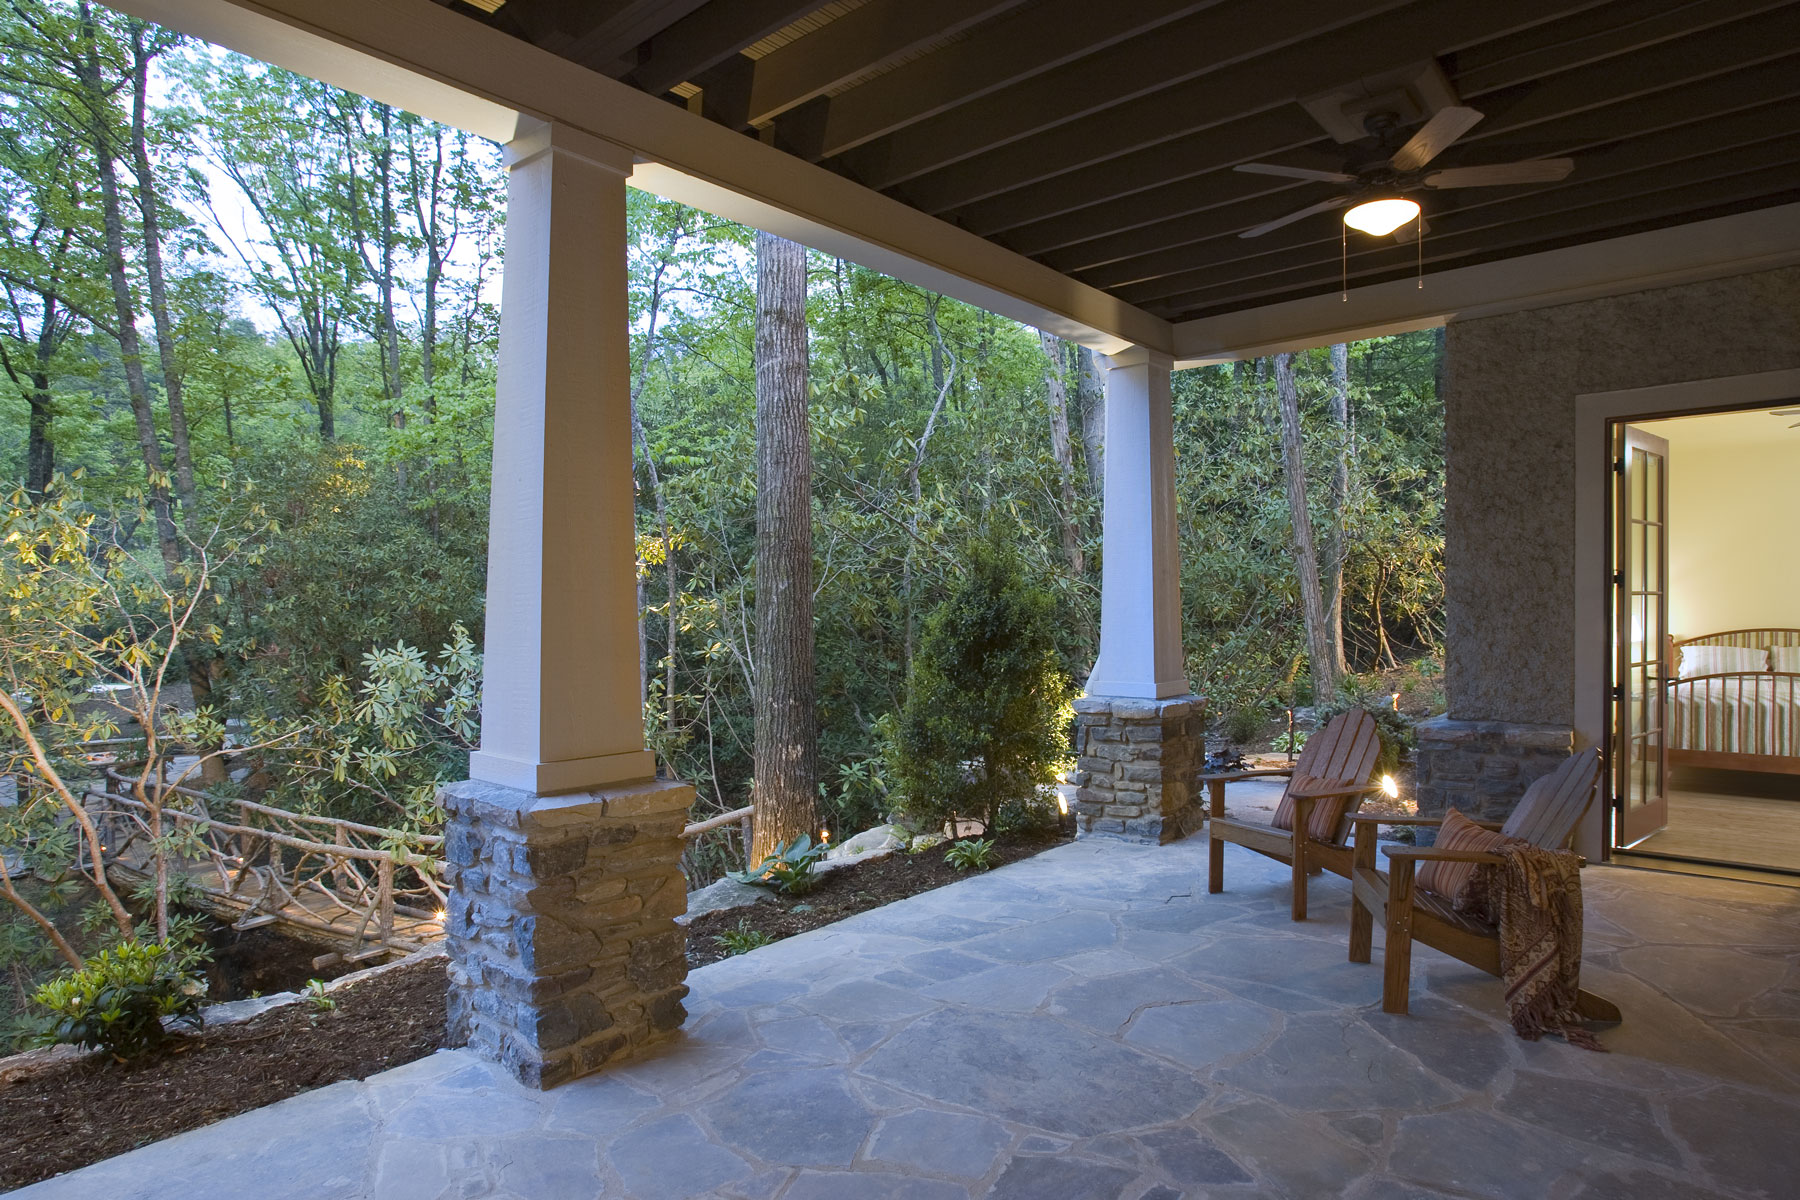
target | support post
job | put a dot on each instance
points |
(563, 848)
(1139, 732)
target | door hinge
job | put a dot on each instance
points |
(1618, 692)
(1618, 466)
(1618, 579)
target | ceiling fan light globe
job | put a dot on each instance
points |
(1379, 217)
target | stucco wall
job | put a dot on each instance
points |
(1511, 383)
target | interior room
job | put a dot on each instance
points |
(1730, 687)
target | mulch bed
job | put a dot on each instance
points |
(847, 891)
(68, 1117)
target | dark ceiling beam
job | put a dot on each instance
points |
(1639, 220)
(1642, 169)
(1042, 38)
(1593, 36)
(1164, 170)
(1144, 253)
(620, 28)
(1766, 169)
(709, 35)
(1149, 212)
(861, 40)
(1214, 100)
(1205, 45)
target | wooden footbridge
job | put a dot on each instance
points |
(362, 892)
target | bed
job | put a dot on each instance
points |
(1734, 700)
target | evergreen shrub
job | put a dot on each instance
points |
(987, 710)
(118, 1001)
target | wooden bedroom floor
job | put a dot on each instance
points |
(1731, 817)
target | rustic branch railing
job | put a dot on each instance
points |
(374, 889)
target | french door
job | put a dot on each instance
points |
(1640, 758)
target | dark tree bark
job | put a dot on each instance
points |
(787, 731)
(149, 205)
(941, 382)
(1337, 548)
(124, 305)
(1090, 392)
(1058, 396)
(1306, 558)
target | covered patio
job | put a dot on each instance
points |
(1091, 1024)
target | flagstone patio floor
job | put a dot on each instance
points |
(1090, 1023)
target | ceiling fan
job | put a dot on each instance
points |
(1382, 175)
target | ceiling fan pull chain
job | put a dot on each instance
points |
(1344, 261)
(1421, 240)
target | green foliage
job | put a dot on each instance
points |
(743, 939)
(1290, 741)
(1398, 737)
(317, 998)
(789, 869)
(1244, 725)
(971, 854)
(119, 1000)
(987, 712)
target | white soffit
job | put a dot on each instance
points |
(419, 56)
(1713, 249)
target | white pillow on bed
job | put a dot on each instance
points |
(1721, 660)
(1784, 658)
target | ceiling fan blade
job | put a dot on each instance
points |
(1309, 210)
(1412, 231)
(1294, 172)
(1434, 137)
(1538, 170)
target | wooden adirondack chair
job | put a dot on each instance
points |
(1546, 816)
(1337, 761)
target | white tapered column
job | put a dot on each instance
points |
(1140, 582)
(562, 701)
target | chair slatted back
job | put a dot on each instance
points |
(1551, 806)
(1346, 749)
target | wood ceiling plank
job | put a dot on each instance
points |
(871, 36)
(1593, 36)
(1644, 73)
(1633, 168)
(1093, 215)
(1042, 38)
(1143, 252)
(1527, 221)
(619, 27)
(709, 35)
(1215, 100)
(1238, 33)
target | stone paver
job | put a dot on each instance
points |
(1090, 1025)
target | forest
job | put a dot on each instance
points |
(248, 341)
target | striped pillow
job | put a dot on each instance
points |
(1785, 659)
(1451, 879)
(1325, 813)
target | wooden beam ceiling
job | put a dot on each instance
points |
(1099, 138)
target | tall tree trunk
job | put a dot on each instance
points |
(1090, 391)
(1337, 548)
(787, 732)
(149, 203)
(124, 306)
(1057, 394)
(40, 447)
(914, 488)
(1306, 558)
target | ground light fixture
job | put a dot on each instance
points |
(1380, 217)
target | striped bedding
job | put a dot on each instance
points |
(1736, 714)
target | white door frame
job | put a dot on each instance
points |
(1594, 413)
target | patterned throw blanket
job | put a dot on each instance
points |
(1534, 896)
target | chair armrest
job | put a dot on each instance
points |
(1380, 819)
(1247, 773)
(1433, 854)
(1357, 789)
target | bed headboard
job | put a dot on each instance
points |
(1755, 639)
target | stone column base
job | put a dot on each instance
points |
(564, 952)
(1139, 759)
(1484, 767)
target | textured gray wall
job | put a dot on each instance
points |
(1510, 388)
